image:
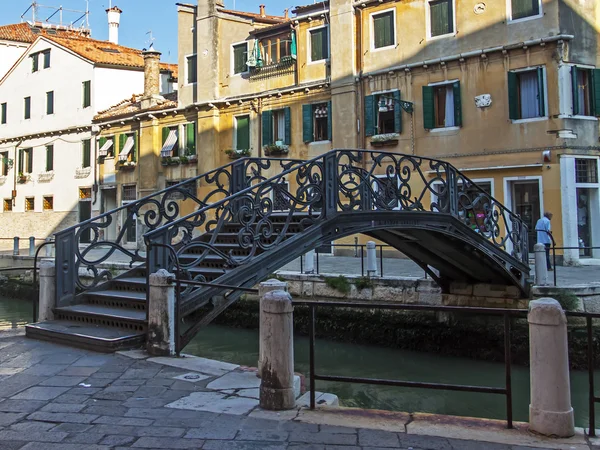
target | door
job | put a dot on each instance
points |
(526, 203)
(584, 219)
(109, 203)
(85, 213)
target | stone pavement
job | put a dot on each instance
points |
(58, 398)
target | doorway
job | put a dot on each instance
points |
(85, 213)
(109, 203)
(526, 202)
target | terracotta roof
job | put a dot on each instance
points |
(23, 32)
(312, 7)
(133, 105)
(254, 16)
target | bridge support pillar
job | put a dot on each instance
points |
(161, 314)
(47, 291)
(277, 368)
(550, 411)
(371, 259)
(264, 287)
(541, 269)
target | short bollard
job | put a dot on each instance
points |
(47, 291)
(541, 269)
(309, 262)
(48, 247)
(277, 381)
(31, 246)
(371, 259)
(16, 246)
(550, 411)
(161, 314)
(264, 287)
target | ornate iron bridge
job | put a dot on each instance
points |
(248, 224)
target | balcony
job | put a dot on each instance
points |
(274, 57)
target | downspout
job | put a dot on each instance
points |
(96, 187)
(259, 113)
(361, 91)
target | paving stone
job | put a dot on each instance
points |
(148, 413)
(235, 380)
(62, 407)
(79, 371)
(46, 370)
(378, 438)
(344, 447)
(161, 431)
(72, 427)
(62, 358)
(337, 429)
(40, 393)
(128, 382)
(82, 390)
(63, 381)
(323, 438)
(31, 425)
(150, 391)
(63, 446)
(428, 442)
(10, 370)
(307, 446)
(95, 382)
(26, 406)
(117, 440)
(459, 444)
(121, 389)
(84, 438)
(164, 382)
(11, 445)
(105, 410)
(214, 431)
(243, 445)
(171, 443)
(27, 436)
(196, 364)
(63, 417)
(120, 396)
(215, 402)
(262, 435)
(135, 402)
(106, 375)
(18, 383)
(299, 426)
(72, 398)
(96, 402)
(92, 361)
(133, 421)
(141, 373)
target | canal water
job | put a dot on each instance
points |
(240, 346)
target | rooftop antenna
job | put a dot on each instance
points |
(150, 41)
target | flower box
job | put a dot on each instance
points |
(276, 150)
(126, 165)
(237, 154)
(191, 159)
(383, 140)
(22, 178)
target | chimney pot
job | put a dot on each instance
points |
(114, 19)
(262, 11)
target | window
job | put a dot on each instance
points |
(106, 147)
(29, 204)
(128, 147)
(526, 94)
(442, 106)
(190, 139)
(48, 203)
(189, 186)
(240, 58)
(521, 9)
(25, 160)
(46, 54)
(50, 102)
(85, 193)
(87, 94)
(441, 17)
(3, 113)
(170, 141)
(276, 49)
(586, 91)
(129, 193)
(319, 44)
(384, 30)
(179, 140)
(316, 122)
(4, 162)
(49, 158)
(27, 107)
(242, 132)
(35, 62)
(8, 204)
(586, 170)
(383, 113)
(192, 73)
(86, 152)
(276, 127)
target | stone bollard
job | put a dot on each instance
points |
(277, 369)
(161, 314)
(264, 287)
(48, 248)
(31, 246)
(47, 291)
(16, 246)
(541, 269)
(309, 262)
(371, 259)
(550, 411)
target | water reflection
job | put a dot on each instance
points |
(14, 312)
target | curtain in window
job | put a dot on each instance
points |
(528, 87)
(581, 91)
(449, 111)
(280, 127)
(440, 17)
(316, 45)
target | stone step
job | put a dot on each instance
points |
(109, 316)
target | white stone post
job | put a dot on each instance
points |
(31, 246)
(161, 314)
(264, 287)
(541, 267)
(309, 262)
(371, 259)
(277, 369)
(47, 291)
(550, 411)
(16, 246)
(568, 197)
(49, 247)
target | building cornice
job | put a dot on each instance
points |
(43, 134)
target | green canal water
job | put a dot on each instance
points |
(240, 346)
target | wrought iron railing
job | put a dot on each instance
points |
(81, 249)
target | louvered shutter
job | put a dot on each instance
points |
(596, 91)
(307, 123)
(329, 122)
(397, 113)
(457, 105)
(428, 108)
(370, 115)
(190, 138)
(513, 96)
(267, 128)
(287, 113)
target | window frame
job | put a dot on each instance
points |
(7, 201)
(509, 18)
(447, 83)
(314, 119)
(309, 32)
(86, 93)
(27, 108)
(35, 62)
(32, 199)
(376, 95)
(49, 105)
(4, 157)
(46, 58)
(3, 113)
(545, 80)
(235, 131)
(187, 69)
(275, 126)
(372, 29)
(232, 72)
(428, 21)
(50, 200)
(49, 150)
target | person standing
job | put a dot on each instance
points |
(543, 229)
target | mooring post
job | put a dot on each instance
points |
(550, 411)
(31, 246)
(266, 286)
(309, 262)
(541, 269)
(47, 299)
(161, 314)
(371, 259)
(16, 246)
(48, 247)
(277, 369)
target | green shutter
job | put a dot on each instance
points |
(240, 57)
(134, 150)
(428, 108)
(307, 123)
(595, 91)
(316, 45)
(3, 113)
(370, 115)
(190, 138)
(513, 96)
(383, 29)
(267, 128)
(46, 59)
(541, 91)
(287, 112)
(86, 149)
(101, 142)
(30, 160)
(87, 94)
(440, 15)
(243, 133)
(397, 113)
(34, 62)
(574, 90)
(122, 140)
(165, 134)
(20, 163)
(27, 107)
(329, 122)
(49, 158)
(457, 105)
(50, 102)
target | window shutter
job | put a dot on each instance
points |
(30, 160)
(86, 153)
(596, 91)
(49, 158)
(370, 115)
(87, 95)
(457, 105)
(574, 90)
(329, 122)
(21, 154)
(34, 62)
(122, 140)
(428, 108)
(316, 45)
(243, 133)
(190, 138)
(287, 112)
(50, 102)
(267, 128)
(541, 90)
(46, 59)
(135, 147)
(101, 142)
(397, 113)
(165, 134)
(513, 96)
(307, 123)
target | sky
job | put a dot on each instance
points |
(139, 17)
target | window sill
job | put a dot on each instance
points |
(525, 19)
(441, 36)
(323, 141)
(318, 61)
(239, 74)
(578, 117)
(531, 119)
(442, 129)
(387, 47)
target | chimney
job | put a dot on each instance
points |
(114, 19)
(152, 95)
(262, 11)
(285, 14)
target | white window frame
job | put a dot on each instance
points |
(428, 22)
(587, 185)
(545, 78)
(372, 30)
(508, 198)
(273, 119)
(509, 18)
(232, 59)
(309, 45)
(565, 91)
(187, 70)
(235, 119)
(442, 83)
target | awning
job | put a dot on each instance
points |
(105, 148)
(169, 145)
(126, 149)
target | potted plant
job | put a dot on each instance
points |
(276, 150)
(126, 165)
(183, 160)
(165, 160)
(381, 140)
(236, 154)
(22, 178)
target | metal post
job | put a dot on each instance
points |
(16, 246)
(371, 259)
(362, 260)
(317, 263)
(554, 260)
(311, 350)
(31, 246)
(301, 264)
(541, 271)
(507, 368)
(381, 260)
(592, 394)
(356, 247)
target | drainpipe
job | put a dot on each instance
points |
(259, 112)
(361, 91)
